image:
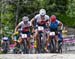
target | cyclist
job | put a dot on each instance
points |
(5, 43)
(53, 25)
(40, 19)
(24, 26)
(5, 38)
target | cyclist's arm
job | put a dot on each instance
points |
(60, 24)
(32, 20)
(49, 24)
(47, 20)
(32, 25)
(16, 29)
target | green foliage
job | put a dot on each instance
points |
(12, 11)
(67, 21)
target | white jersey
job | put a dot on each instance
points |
(5, 38)
(22, 25)
(38, 17)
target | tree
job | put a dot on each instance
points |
(12, 11)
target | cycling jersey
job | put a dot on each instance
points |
(25, 27)
(54, 25)
(39, 21)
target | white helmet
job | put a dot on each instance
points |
(42, 12)
(25, 18)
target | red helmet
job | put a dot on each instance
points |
(53, 18)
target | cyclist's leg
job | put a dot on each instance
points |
(28, 39)
(36, 35)
(2, 44)
(15, 41)
(60, 37)
(47, 42)
(20, 40)
(56, 40)
(36, 40)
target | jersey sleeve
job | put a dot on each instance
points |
(20, 23)
(47, 17)
(58, 21)
(36, 16)
(29, 23)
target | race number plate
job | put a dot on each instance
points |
(40, 28)
(52, 33)
(24, 35)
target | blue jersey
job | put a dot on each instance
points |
(54, 25)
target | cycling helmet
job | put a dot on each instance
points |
(53, 18)
(25, 18)
(42, 12)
